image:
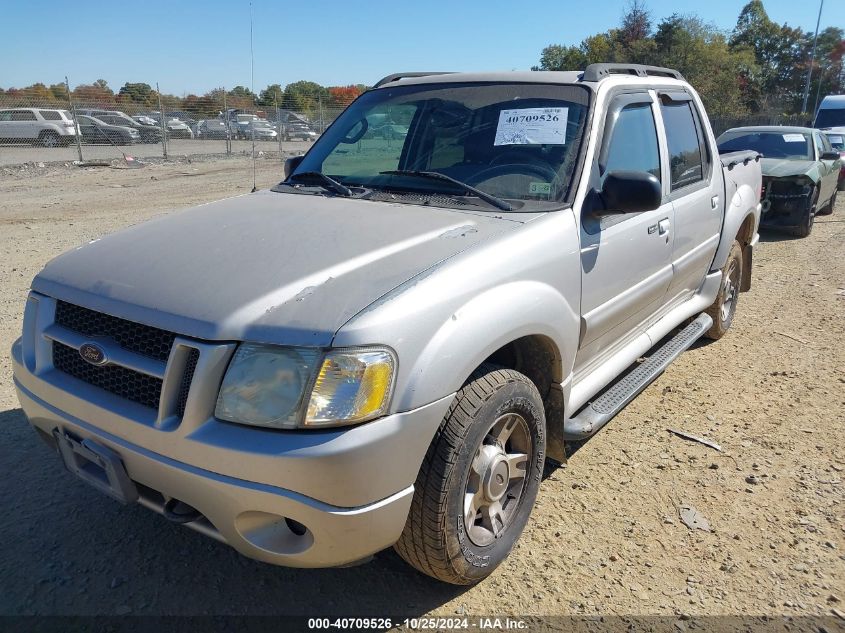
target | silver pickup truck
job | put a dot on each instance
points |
(385, 348)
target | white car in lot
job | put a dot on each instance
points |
(45, 127)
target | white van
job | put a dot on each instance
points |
(48, 128)
(831, 112)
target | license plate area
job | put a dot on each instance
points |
(96, 465)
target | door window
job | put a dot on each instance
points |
(23, 115)
(633, 146)
(687, 154)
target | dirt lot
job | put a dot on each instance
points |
(605, 539)
(177, 148)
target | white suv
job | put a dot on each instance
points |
(48, 128)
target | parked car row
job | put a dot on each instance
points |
(55, 127)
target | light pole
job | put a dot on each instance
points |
(812, 60)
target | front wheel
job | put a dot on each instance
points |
(479, 479)
(50, 139)
(724, 307)
(828, 209)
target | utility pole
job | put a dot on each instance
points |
(812, 59)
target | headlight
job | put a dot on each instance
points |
(266, 385)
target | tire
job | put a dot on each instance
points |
(501, 479)
(806, 226)
(828, 208)
(724, 307)
(49, 139)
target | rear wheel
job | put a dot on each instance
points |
(479, 479)
(724, 307)
(49, 139)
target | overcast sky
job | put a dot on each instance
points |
(192, 47)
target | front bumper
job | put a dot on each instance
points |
(244, 507)
(786, 211)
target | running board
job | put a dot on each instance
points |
(601, 410)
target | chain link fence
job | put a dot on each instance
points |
(66, 129)
(56, 127)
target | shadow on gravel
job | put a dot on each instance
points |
(72, 551)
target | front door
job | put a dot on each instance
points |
(829, 169)
(626, 263)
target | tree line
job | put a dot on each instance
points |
(759, 67)
(301, 96)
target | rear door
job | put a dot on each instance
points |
(626, 262)
(696, 192)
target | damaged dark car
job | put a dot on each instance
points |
(800, 173)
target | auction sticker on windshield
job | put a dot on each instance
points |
(794, 138)
(532, 126)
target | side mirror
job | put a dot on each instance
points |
(630, 192)
(291, 164)
(829, 156)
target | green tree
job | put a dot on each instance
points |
(775, 48)
(305, 96)
(701, 53)
(272, 94)
(140, 93)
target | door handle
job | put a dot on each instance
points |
(663, 226)
(714, 202)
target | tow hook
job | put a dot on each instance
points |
(187, 513)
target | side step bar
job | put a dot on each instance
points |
(601, 410)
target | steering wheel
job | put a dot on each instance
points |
(526, 169)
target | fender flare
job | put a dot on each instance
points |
(743, 204)
(484, 324)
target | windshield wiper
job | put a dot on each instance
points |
(327, 182)
(434, 175)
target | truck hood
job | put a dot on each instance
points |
(781, 167)
(267, 267)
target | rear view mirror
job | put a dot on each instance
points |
(291, 164)
(356, 132)
(630, 192)
(830, 156)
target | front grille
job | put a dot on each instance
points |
(123, 382)
(187, 377)
(135, 337)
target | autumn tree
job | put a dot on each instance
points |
(342, 96)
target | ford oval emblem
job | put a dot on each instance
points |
(93, 353)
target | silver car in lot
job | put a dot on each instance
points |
(41, 126)
(387, 347)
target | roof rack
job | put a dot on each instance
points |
(398, 76)
(597, 72)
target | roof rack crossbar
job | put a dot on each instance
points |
(597, 72)
(398, 76)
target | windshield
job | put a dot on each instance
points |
(830, 117)
(796, 145)
(518, 142)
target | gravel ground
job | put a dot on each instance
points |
(605, 537)
(19, 154)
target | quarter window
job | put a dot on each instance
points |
(687, 155)
(633, 146)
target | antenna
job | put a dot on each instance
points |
(252, 89)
